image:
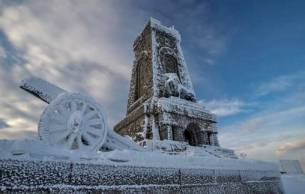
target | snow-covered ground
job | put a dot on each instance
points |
(27, 149)
(294, 183)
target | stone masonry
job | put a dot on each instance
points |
(19, 176)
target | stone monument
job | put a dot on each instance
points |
(162, 103)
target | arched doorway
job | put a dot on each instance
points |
(192, 134)
(189, 137)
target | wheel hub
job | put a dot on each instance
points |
(75, 122)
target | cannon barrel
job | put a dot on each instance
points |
(48, 92)
(41, 89)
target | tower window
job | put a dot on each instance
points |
(171, 65)
(142, 77)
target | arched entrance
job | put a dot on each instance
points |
(192, 134)
(189, 137)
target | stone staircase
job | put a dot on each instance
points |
(210, 151)
(196, 151)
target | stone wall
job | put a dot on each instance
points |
(70, 177)
(132, 125)
(142, 75)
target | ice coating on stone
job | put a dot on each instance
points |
(184, 74)
(155, 129)
(171, 30)
(173, 87)
(146, 120)
(178, 106)
(157, 57)
(27, 166)
(149, 80)
(114, 175)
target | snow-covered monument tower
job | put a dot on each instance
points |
(162, 103)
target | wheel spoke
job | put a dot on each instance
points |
(63, 110)
(89, 138)
(58, 118)
(89, 114)
(71, 140)
(95, 122)
(63, 136)
(94, 131)
(79, 142)
(57, 127)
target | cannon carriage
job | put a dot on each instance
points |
(74, 121)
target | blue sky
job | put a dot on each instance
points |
(246, 61)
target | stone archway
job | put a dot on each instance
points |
(189, 137)
(192, 134)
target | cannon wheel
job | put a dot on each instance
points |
(73, 121)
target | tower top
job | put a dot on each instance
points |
(170, 30)
(155, 24)
(159, 68)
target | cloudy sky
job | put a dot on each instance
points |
(246, 60)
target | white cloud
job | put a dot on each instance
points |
(266, 134)
(225, 107)
(294, 149)
(274, 130)
(281, 83)
(283, 137)
(252, 124)
(70, 44)
(263, 150)
(296, 145)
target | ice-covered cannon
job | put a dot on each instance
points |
(74, 121)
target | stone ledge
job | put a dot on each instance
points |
(130, 118)
(19, 176)
(33, 173)
(262, 188)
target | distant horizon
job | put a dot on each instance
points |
(245, 59)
